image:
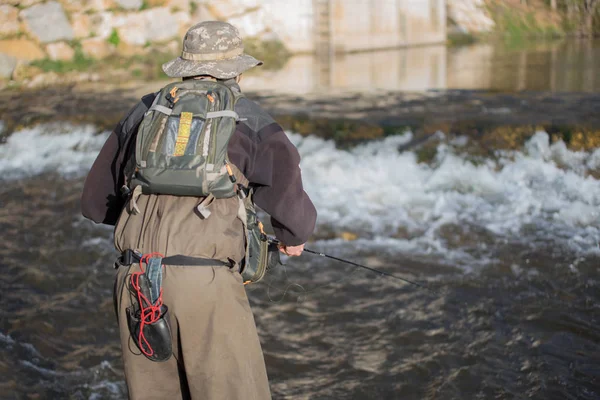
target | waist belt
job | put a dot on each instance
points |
(129, 257)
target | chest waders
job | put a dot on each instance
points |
(181, 149)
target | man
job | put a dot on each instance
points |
(215, 346)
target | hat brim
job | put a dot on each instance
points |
(221, 69)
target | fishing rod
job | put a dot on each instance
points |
(275, 241)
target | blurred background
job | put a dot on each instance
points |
(451, 142)
(322, 44)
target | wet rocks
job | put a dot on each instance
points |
(47, 22)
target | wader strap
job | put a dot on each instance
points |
(202, 208)
(137, 192)
(129, 257)
(193, 261)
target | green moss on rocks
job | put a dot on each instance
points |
(345, 133)
(114, 38)
(79, 63)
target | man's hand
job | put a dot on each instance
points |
(292, 251)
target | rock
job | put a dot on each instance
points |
(156, 24)
(185, 22)
(21, 49)
(96, 48)
(95, 25)
(251, 24)
(173, 47)
(22, 3)
(156, 3)
(197, 11)
(79, 6)
(128, 50)
(47, 22)
(129, 4)
(246, 4)
(60, 51)
(179, 5)
(232, 8)
(46, 79)
(349, 236)
(102, 24)
(223, 10)
(9, 20)
(82, 25)
(470, 15)
(7, 65)
(202, 13)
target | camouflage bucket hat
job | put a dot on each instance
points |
(211, 48)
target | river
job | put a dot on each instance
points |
(509, 240)
(559, 66)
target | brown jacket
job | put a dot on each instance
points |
(259, 148)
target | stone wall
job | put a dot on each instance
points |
(60, 30)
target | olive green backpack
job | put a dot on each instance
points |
(181, 149)
(181, 145)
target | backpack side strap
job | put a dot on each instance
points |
(223, 113)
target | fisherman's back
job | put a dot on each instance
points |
(200, 327)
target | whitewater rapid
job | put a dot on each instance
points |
(375, 191)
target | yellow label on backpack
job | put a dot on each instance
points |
(183, 134)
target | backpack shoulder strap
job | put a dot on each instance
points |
(127, 141)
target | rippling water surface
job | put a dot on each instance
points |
(510, 242)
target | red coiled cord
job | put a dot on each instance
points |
(149, 313)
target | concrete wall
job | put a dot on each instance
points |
(354, 25)
(376, 24)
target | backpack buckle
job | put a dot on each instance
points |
(125, 191)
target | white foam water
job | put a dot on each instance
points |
(67, 149)
(375, 191)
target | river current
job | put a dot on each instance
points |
(510, 243)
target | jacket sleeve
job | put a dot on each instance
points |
(279, 191)
(101, 200)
